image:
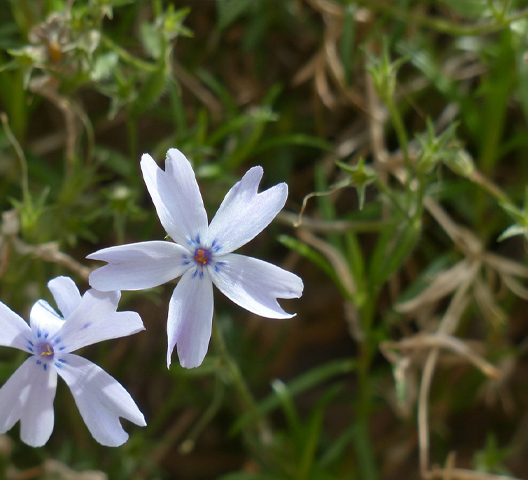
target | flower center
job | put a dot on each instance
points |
(201, 256)
(46, 350)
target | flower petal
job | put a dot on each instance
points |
(255, 285)
(28, 396)
(101, 400)
(190, 319)
(138, 265)
(176, 196)
(244, 214)
(96, 320)
(14, 331)
(65, 293)
(44, 319)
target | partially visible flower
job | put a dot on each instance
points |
(28, 395)
(201, 254)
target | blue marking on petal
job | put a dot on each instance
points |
(30, 349)
(221, 264)
(38, 362)
(86, 325)
(201, 274)
(46, 335)
(195, 273)
(186, 262)
(217, 270)
(61, 360)
(45, 366)
(57, 340)
(58, 365)
(198, 238)
(30, 342)
(62, 348)
(190, 241)
(39, 334)
(215, 246)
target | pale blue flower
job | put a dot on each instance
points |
(29, 394)
(201, 254)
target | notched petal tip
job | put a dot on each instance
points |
(257, 171)
(174, 153)
(60, 280)
(257, 285)
(195, 362)
(147, 158)
(296, 286)
(112, 296)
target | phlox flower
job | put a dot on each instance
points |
(201, 254)
(29, 394)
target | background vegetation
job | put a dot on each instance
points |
(408, 121)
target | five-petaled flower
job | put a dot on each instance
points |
(201, 254)
(29, 394)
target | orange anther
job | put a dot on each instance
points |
(201, 256)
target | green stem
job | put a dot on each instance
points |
(363, 442)
(21, 157)
(246, 398)
(206, 418)
(127, 57)
(390, 194)
(401, 133)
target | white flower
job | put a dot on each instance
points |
(201, 254)
(28, 395)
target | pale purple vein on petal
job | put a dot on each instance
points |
(38, 418)
(14, 394)
(176, 196)
(101, 400)
(244, 214)
(137, 266)
(256, 285)
(28, 396)
(190, 319)
(96, 320)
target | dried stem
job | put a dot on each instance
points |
(447, 326)
(335, 257)
(440, 340)
(48, 252)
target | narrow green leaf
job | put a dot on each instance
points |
(292, 139)
(347, 41)
(150, 91)
(302, 383)
(287, 405)
(391, 251)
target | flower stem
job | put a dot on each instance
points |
(247, 400)
(21, 157)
